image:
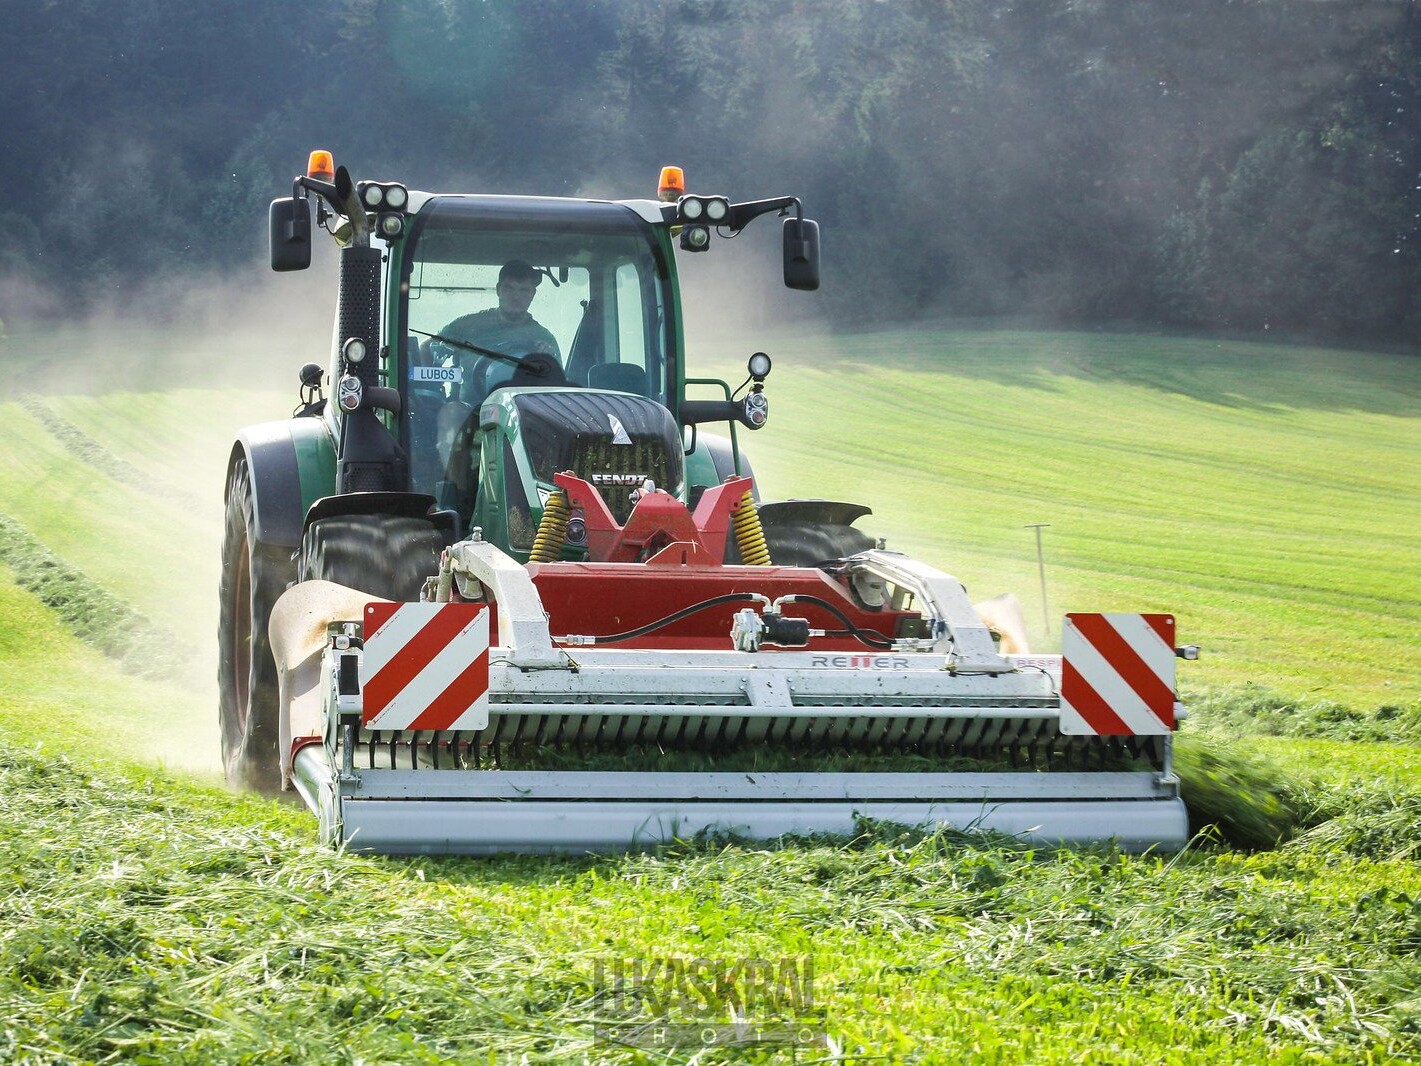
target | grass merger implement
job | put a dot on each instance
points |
(502, 592)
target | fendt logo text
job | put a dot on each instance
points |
(618, 479)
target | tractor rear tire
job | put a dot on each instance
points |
(813, 532)
(254, 575)
(387, 556)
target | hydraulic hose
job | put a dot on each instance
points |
(685, 612)
(870, 637)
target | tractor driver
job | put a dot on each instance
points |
(507, 328)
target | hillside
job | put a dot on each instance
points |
(1264, 494)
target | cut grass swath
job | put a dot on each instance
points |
(94, 615)
(147, 919)
(1248, 801)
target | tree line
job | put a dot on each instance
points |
(1245, 165)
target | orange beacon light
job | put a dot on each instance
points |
(673, 184)
(321, 166)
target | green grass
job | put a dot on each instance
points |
(58, 690)
(154, 921)
(1265, 495)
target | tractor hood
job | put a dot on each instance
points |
(613, 440)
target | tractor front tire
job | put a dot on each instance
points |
(812, 532)
(810, 544)
(254, 575)
(388, 556)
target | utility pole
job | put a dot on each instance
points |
(1041, 566)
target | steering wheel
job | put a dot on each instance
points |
(538, 369)
(535, 370)
(483, 375)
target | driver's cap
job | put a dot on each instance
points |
(519, 270)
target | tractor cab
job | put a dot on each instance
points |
(512, 309)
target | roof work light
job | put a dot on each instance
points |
(711, 210)
(382, 195)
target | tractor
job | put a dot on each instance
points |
(501, 583)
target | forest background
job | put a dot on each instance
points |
(1247, 166)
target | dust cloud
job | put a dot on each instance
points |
(236, 342)
(734, 302)
(246, 329)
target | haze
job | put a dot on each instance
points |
(1204, 166)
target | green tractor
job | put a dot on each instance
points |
(502, 592)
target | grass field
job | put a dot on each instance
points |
(1266, 495)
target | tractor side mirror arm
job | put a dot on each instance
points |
(751, 411)
(801, 238)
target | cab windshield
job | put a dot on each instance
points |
(598, 292)
(557, 293)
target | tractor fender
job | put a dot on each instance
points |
(812, 512)
(292, 464)
(394, 504)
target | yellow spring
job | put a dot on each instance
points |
(749, 534)
(552, 530)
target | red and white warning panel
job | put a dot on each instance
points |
(1117, 675)
(425, 666)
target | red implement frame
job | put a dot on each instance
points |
(660, 530)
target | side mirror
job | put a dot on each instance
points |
(801, 243)
(290, 234)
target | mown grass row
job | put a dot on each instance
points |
(93, 614)
(99, 458)
(59, 690)
(152, 921)
(1256, 710)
